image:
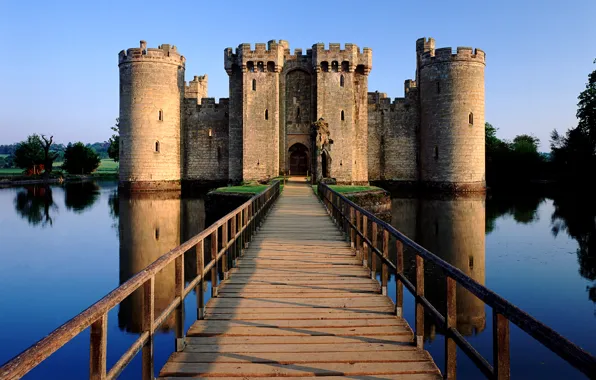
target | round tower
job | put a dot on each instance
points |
(151, 91)
(452, 117)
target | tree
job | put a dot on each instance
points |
(114, 148)
(79, 159)
(29, 154)
(525, 144)
(48, 156)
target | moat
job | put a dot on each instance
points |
(534, 250)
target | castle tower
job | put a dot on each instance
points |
(149, 227)
(451, 88)
(151, 91)
(342, 101)
(254, 110)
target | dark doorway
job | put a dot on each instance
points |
(298, 159)
(324, 165)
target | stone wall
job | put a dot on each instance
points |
(151, 91)
(452, 118)
(206, 140)
(393, 136)
(197, 88)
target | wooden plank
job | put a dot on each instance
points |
(295, 323)
(299, 348)
(389, 339)
(302, 369)
(410, 376)
(304, 357)
(293, 331)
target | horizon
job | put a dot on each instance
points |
(537, 60)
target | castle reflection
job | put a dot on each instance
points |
(452, 227)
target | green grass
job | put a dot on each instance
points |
(249, 189)
(353, 189)
(11, 171)
(3, 155)
(107, 167)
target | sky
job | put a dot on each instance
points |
(59, 75)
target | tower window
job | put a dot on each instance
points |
(436, 152)
(343, 116)
(325, 66)
(254, 85)
(298, 115)
(157, 233)
(471, 119)
(160, 115)
(438, 87)
(260, 66)
(250, 65)
(157, 147)
(335, 66)
(471, 262)
(266, 114)
(341, 81)
(271, 66)
(210, 132)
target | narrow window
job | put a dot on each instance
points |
(471, 262)
(325, 66)
(471, 119)
(250, 65)
(341, 81)
(334, 66)
(210, 132)
(157, 233)
(254, 85)
(342, 115)
(271, 66)
(260, 66)
(436, 152)
(438, 87)
(266, 114)
(157, 147)
(298, 115)
(160, 115)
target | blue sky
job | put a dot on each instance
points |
(59, 74)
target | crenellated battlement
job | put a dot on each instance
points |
(163, 53)
(267, 57)
(447, 54)
(196, 88)
(349, 59)
(379, 101)
(211, 103)
(298, 55)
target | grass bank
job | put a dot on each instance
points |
(353, 189)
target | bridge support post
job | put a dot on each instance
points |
(365, 244)
(450, 322)
(199, 290)
(419, 339)
(350, 228)
(358, 238)
(225, 239)
(179, 283)
(98, 348)
(148, 320)
(501, 355)
(385, 268)
(373, 253)
(214, 267)
(399, 291)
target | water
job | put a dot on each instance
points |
(63, 248)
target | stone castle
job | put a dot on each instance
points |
(301, 114)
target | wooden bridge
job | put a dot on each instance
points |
(301, 300)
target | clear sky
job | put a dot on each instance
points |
(59, 74)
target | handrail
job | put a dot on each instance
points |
(241, 223)
(352, 219)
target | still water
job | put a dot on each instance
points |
(64, 247)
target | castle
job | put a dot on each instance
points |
(303, 114)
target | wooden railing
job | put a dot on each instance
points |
(354, 221)
(235, 230)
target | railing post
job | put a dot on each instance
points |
(229, 255)
(501, 358)
(351, 229)
(364, 243)
(148, 320)
(419, 339)
(214, 267)
(450, 322)
(239, 244)
(200, 285)
(373, 254)
(245, 226)
(399, 287)
(179, 292)
(385, 270)
(98, 348)
(358, 238)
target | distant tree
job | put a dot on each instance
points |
(574, 153)
(48, 156)
(79, 159)
(29, 154)
(114, 149)
(525, 144)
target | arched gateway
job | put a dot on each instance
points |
(298, 159)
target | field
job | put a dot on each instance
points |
(106, 166)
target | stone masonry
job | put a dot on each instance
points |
(172, 133)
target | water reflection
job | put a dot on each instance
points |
(454, 229)
(80, 196)
(35, 204)
(522, 205)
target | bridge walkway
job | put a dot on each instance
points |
(299, 304)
